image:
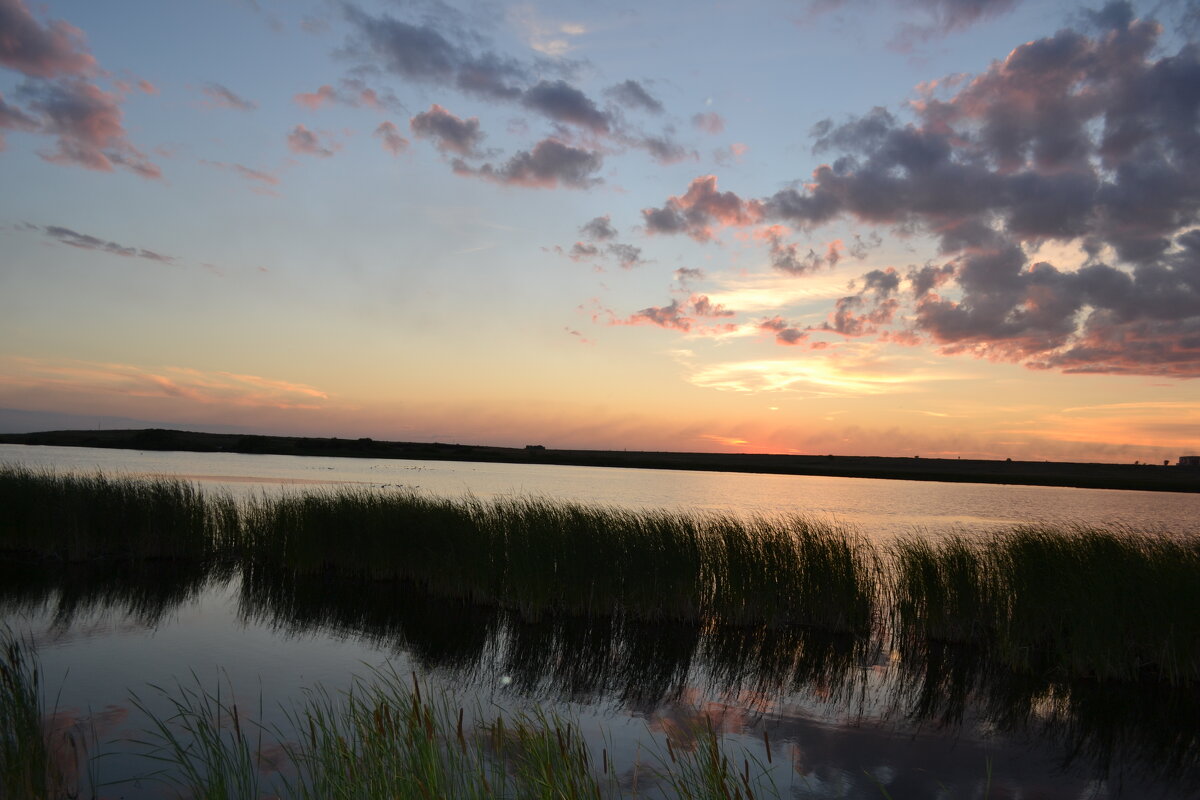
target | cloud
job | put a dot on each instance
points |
(314, 100)
(1072, 138)
(632, 94)
(599, 229)
(551, 39)
(680, 316)
(53, 50)
(549, 164)
(562, 102)
(87, 122)
(663, 149)
(424, 54)
(709, 122)
(783, 332)
(441, 51)
(786, 257)
(222, 97)
(449, 133)
(305, 142)
(940, 17)
(263, 182)
(393, 142)
(627, 255)
(171, 384)
(14, 119)
(946, 17)
(699, 209)
(85, 242)
(352, 92)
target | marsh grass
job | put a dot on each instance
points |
(543, 557)
(205, 748)
(1077, 601)
(396, 738)
(76, 517)
(1110, 604)
(31, 751)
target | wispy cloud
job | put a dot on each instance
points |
(219, 96)
(167, 383)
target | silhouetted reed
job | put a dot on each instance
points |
(1075, 601)
(538, 557)
(75, 517)
(31, 765)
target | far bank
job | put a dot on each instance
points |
(1142, 477)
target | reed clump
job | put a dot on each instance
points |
(1109, 604)
(75, 517)
(541, 556)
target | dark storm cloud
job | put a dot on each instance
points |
(1073, 138)
(632, 94)
(548, 165)
(85, 242)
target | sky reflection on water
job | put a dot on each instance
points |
(882, 509)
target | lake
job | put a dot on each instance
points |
(844, 718)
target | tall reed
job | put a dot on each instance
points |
(1110, 604)
(76, 517)
(31, 765)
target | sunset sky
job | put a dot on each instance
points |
(921, 227)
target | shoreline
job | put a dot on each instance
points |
(1134, 477)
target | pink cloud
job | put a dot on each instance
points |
(680, 316)
(54, 50)
(305, 142)
(450, 133)
(314, 100)
(699, 209)
(393, 142)
(88, 123)
(709, 122)
(262, 182)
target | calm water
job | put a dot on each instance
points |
(844, 718)
(880, 508)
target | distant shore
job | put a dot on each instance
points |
(1143, 477)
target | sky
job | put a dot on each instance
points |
(946, 228)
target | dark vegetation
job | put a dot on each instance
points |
(1145, 477)
(1090, 638)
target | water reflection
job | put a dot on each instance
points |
(1131, 733)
